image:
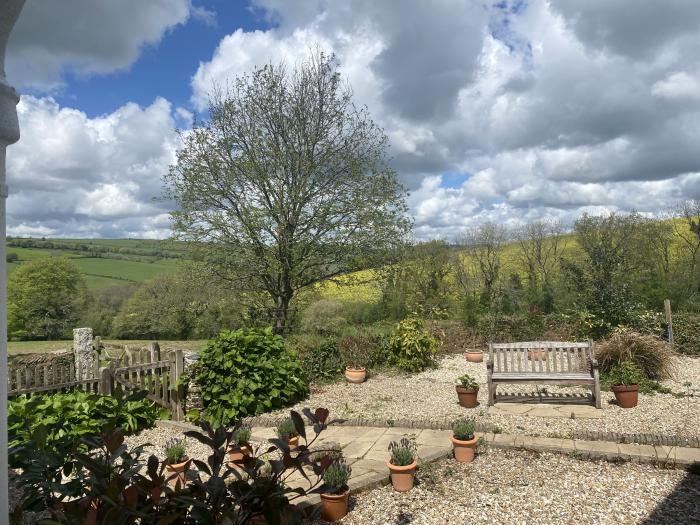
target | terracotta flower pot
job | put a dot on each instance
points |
(626, 395)
(402, 477)
(293, 443)
(177, 468)
(467, 397)
(355, 375)
(464, 450)
(474, 356)
(239, 454)
(534, 355)
(334, 506)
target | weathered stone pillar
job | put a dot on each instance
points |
(85, 355)
(9, 134)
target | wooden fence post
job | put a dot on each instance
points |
(177, 367)
(669, 324)
(154, 349)
(105, 376)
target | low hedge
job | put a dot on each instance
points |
(686, 333)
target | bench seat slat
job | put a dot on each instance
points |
(539, 377)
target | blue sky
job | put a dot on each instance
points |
(496, 110)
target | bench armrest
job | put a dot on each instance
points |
(489, 364)
(594, 362)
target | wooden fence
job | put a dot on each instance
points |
(139, 369)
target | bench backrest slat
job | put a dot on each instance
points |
(552, 356)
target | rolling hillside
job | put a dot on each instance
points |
(103, 262)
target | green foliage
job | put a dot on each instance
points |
(463, 429)
(357, 350)
(653, 356)
(325, 317)
(247, 372)
(73, 415)
(468, 382)
(686, 333)
(411, 346)
(11, 257)
(45, 298)
(625, 373)
(322, 361)
(241, 435)
(403, 452)
(286, 429)
(175, 450)
(336, 476)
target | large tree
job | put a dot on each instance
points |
(287, 183)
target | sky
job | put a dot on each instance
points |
(505, 111)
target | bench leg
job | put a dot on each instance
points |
(596, 389)
(492, 394)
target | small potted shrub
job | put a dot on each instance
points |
(287, 432)
(240, 449)
(474, 354)
(334, 499)
(463, 440)
(355, 351)
(467, 391)
(176, 461)
(625, 379)
(402, 464)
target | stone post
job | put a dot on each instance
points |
(9, 134)
(85, 356)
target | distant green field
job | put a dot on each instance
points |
(40, 347)
(104, 262)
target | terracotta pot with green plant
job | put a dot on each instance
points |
(334, 498)
(402, 464)
(624, 380)
(287, 432)
(467, 391)
(240, 449)
(356, 350)
(176, 461)
(463, 440)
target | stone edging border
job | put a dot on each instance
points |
(641, 439)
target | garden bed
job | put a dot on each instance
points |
(430, 396)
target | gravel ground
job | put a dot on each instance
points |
(430, 395)
(514, 487)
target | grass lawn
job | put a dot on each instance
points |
(40, 347)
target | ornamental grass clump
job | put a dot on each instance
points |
(175, 451)
(403, 452)
(653, 356)
(463, 430)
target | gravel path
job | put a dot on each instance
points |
(514, 487)
(430, 395)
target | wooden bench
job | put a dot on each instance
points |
(550, 362)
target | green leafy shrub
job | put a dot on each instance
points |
(686, 333)
(463, 429)
(322, 361)
(336, 476)
(625, 373)
(653, 356)
(75, 414)
(247, 372)
(324, 317)
(403, 452)
(468, 382)
(411, 346)
(175, 451)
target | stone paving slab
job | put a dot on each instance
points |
(546, 410)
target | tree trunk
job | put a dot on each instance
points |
(281, 313)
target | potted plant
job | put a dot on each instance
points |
(474, 354)
(355, 351)
(176, 461)
(625, 379)
(402, 464)
(463, 440)
(467, 391)
(240, 449)
(334, 499)
(536, 353)
(287, 432)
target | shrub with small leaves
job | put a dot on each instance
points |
(403, 452)
(336, 476)
(626, 373)
(286, 429)
(468, 382)
(175, 451)
(411, 346)
(463, 429)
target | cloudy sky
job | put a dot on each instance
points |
(505, 111)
